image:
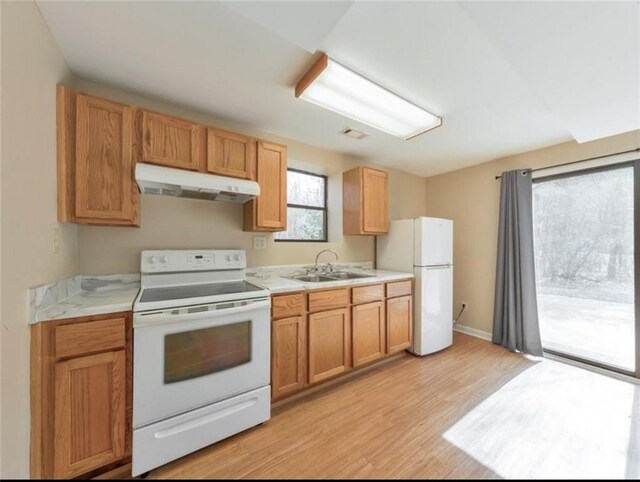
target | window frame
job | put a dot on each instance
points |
(316, 208)
(635, 164)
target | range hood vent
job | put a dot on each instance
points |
(166, 181)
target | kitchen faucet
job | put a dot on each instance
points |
(328, 268)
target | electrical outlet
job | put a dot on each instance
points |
(465, 305)
(55, 240)
(259, 242)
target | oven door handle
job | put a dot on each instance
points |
(166, 316)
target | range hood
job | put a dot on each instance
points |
(166, 181)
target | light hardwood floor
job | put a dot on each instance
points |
(472, 411)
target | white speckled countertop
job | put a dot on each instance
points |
(83, 296)
(274, 278)
(94, 295)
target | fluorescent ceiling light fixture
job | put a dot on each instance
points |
(335, 87)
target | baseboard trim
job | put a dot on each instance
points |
(467, 330)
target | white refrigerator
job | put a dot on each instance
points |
(424, 246)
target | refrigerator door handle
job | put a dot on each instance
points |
(439, 266)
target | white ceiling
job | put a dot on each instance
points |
(506, 77)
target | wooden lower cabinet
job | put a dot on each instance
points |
(329, 344)
(81, 395)
(90, 413)
(399, 323)
(321, 334)
(368, 332)
(289, 360)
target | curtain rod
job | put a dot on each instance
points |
(582, 160)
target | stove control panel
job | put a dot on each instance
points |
(170, 261)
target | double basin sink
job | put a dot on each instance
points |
(336, 276)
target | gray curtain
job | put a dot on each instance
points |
(515, 311)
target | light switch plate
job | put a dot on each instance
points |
(259, 242)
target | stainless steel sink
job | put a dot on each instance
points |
(321, 278)
(342, 275)
(311, 278)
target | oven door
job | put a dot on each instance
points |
(186, 358)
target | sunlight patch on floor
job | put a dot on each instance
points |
(555, 421)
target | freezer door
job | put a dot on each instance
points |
(433, 241)
(395, 249)
(433, 320)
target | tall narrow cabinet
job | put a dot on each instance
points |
(268, 212)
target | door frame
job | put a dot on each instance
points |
(635, 164)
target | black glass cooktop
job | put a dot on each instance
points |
(195, 291)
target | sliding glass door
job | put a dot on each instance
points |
(585, 250)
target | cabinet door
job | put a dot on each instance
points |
(288, 357)
(90, 412)
(169, 141)
(368, 331)
(104, 189)
(230, 154)
(268, 212)
(375, 211)
(329, 344)
(399, 323)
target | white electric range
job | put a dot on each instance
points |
(201, 353)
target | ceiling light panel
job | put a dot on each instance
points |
(341, 90)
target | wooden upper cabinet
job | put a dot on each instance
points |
(375, 201)
(95, 161)
(268, 212)
(170, 141)
(90, 413)
(231, 154)
(365, 198)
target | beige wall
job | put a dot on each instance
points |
(31, 66)
(470, 197)
(183, 223)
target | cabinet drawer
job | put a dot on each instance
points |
(92, 336)
(399, 288)
(327, 300)
(367, 294)
(284, 306)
